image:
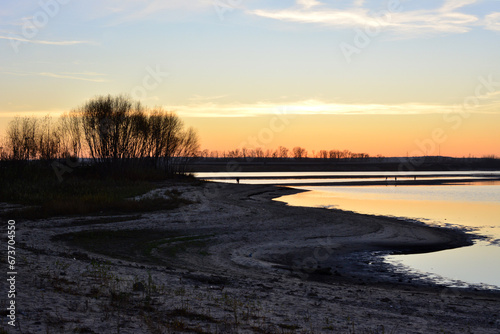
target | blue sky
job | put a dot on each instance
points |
(244, 58)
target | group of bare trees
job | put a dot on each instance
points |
(337, 154)
(107, 130)
(30, 138)
(283, 152)
(117, 130)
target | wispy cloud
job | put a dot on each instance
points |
(444, 19)
(72, 77)
(492, 21)
(83, 76)
(455, 4)
(489, 104)
(35, 41)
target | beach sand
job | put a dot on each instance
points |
(235, 261)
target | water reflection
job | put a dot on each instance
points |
(476, 265)
(478, 208)
(473, 206)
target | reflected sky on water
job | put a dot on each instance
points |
(474, 206)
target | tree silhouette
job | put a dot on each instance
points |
(108, 129)
(323, 154)
(282, 152)
(299, 152)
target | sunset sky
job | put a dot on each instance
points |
(391, 77)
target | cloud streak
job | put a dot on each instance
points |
(85, 76)
(489, 105)
(34, 41)
(317, 107)
(72, 77)
(444, 19)
(492, 21)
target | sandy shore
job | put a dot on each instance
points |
(235, 262)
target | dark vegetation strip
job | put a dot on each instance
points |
(88, 190)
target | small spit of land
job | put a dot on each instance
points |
(228, 259)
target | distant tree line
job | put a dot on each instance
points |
(108, 130)
(282, 152)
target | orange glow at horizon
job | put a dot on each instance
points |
(387, 135)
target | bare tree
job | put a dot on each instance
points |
(323, 154)
(259, 153)
(70, 135)
(48, 137)
(282, 152)
(117, 129)
(164, 135)
(234, 154)
(334, 154)
(108, 127)
(346, 154)
(244, 152)
(109, 130)
(187, 148)
(22, 138)
(299, 152)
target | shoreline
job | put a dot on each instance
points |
(236, 261)
(421, 271)
(377, 271)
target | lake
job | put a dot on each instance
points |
(467, 200)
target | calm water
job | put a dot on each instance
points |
(336, 177)
(474, 206)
